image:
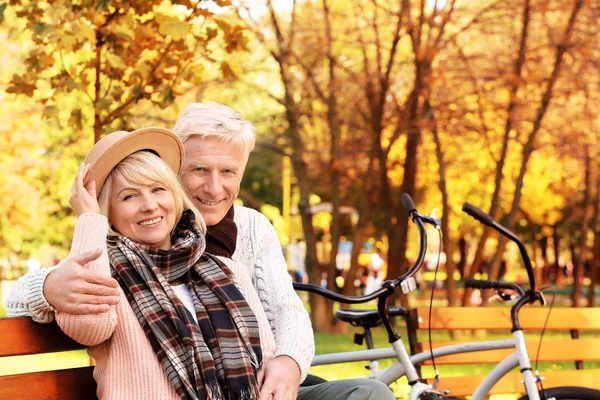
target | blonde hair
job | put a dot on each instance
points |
(145, 168)
(219, 121)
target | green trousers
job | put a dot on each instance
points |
(346, 389)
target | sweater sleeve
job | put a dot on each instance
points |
(90, 329)
(26, 298)
(288, 319)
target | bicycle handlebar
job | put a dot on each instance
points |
(388, 286)
(489, 221)
(309, 287)
(525, 297)
(481, 284)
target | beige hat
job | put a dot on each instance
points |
(116, 146)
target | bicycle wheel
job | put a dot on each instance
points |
(567, 393)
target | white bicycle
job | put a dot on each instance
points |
(406, 364)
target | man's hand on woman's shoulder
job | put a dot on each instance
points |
(72, 289)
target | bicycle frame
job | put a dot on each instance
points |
(405, 366)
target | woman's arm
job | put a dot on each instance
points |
(90, 329)
(90, 234)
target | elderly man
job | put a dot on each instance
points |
(217, 142)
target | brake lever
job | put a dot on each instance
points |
(540, 296)
(430, 219)
(502, 296)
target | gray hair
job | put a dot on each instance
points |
(216, 120)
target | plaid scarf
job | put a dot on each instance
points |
(218, 357)
(221, 238)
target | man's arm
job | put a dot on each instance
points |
(26, 297)
(67, 287)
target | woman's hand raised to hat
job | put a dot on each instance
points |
(83, 197)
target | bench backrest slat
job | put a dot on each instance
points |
(22, 336)
(68, 384)
(498, 318)
(512, 383)
(557, 350)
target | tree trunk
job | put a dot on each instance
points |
(446, 241)
(582, 258)
(543, 243)
(364, 215)
(529, 146)
(97, 87)
(556, 252)
(335, 155)
(508, 126)
(595, 261)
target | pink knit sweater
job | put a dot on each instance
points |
(126, 366)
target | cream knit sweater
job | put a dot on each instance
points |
(126, 366)
(258, 250)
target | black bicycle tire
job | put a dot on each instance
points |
(567, 393)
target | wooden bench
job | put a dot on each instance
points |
(464, 320)
(21, 336)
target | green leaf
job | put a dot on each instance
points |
(167, 94)
(40, 28)
(2, 8)
(102, 5)
(50, 111)
(76, 119)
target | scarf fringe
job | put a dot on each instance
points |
(249, 393)
(213, 391)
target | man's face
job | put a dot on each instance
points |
(212, 175)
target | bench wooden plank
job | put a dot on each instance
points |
(511, 383)
(559, 350)
(22, 336)
(498, 318)
(68, 384)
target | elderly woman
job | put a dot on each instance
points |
(189, 324)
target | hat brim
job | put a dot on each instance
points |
(116, 146)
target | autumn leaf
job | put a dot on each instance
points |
(67, 43)
(171, 26)
(211, 33)
(227, 71)
(115, 61)
(195, 73)
(124, 29)
(20, 85)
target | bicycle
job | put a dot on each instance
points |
(407, 365)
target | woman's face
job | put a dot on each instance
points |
(144, 214)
